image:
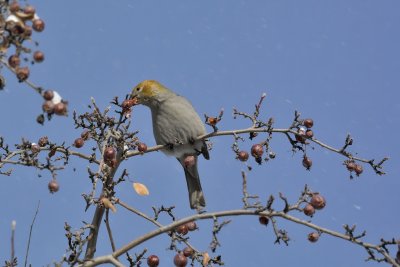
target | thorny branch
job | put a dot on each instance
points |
(99, 121)
(137, 260)
(162, 209)
(211, 215)
(376, 167)
(216, 229)
(109, 132)
(247, 196)
(154, 221)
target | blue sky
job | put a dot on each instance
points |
(334, 61)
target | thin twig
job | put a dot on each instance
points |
(247, 196)
(241, 212)
(38, 89)
(13, 259)
(110, 235)
(143, 215)
(255, 130)
(30, 234)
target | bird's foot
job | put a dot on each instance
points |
(192, 140)
(200, 210)
(170, 146)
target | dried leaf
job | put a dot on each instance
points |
(107, 204)
(206, 259)
(141, 189)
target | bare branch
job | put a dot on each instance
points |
(30, 234)
(242, 212)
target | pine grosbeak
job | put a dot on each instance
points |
(177, 125)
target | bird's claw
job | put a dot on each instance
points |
(170, 146)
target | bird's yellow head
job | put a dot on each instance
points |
(148, 90)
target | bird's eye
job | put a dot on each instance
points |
(138, 89)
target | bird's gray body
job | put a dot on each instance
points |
(177, 124)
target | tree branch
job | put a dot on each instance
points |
(240, 212)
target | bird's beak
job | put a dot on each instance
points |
(136, 99)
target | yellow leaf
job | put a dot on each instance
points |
(107, 204)
(141, 189)
(206, 258)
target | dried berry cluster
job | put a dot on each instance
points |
(313, 201)
(53, 104)
(305, 131)
(352, 166)
(17, 23)
(181, 258)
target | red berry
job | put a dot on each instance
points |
(308, 123)
(307, 162)
(38, 25)
(243, 155)
(14, 61)
(212, 120)
(109, 153)
(189, 161)
(313, 237)
(142, 147)
(188, 252)
(35, 148)
(48, 94)
(309, 133)
(351, 165)
(318, 201)
(60, 108)
(309, 210)
(300, 136)
(38, 56)
(182, 229)
(79, 142)
(153, 261)
(128, 103)
(43, 141)
(263, 220)
(53, 186)
(27, 31)
(191, 225)
(358, 169)
(14, 7)
(180, 260)
(30, 10)
(48, 107)
(22, 73)
(257, 150)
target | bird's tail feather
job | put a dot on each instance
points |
(196, 196)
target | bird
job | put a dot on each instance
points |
(176, 125)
